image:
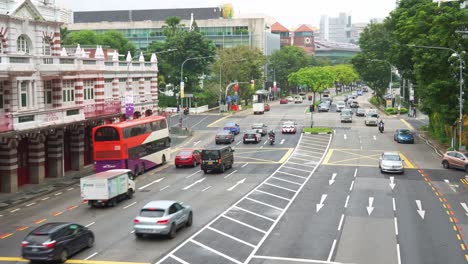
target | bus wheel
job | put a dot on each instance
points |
(164, 159)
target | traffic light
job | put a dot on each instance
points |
(236, 87)
(252, 84)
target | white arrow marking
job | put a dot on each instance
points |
(151, 183)
(421, 212)
(375, 138)
(330, 182)
(370, 208)
(451, 185)
(196, 143)
(237, 183)
(320, 205)
(193, 184)
(345, 137)
(392, 182)
(282, 141)
(465, 207)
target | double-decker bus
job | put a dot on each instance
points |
(136, 145)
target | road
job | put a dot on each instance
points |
(307, 199)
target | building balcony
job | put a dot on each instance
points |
(108, 108)
(6, 123)
(16, 63)
(32, 119)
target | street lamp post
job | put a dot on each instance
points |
(220, 85)
(458, 55)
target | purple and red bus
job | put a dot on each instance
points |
(136, 145)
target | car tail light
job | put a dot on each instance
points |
(162, 222)
(49, 244)
(220, 160)
(136, 221)
(24, 243)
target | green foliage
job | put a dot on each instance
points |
(112, 39)
(172, 26)
(316, 130)
(82, 37)
(287, 60)
(166, 101)
(376, 100)
(394, 110)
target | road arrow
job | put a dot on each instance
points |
(330, 182)
(320, 205)
(345, 137)
(375, 138)
(392, 183)
(465, 207)
(370, 208)
(282, 141)
(235, 185)
(196, 143)
(421, 212)
(193, 184)
(451, 185)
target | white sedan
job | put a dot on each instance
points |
(288, 127)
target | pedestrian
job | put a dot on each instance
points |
(414, 112)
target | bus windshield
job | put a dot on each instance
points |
(106, 134)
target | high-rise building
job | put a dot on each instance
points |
(336, 29)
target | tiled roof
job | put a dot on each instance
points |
(148, 14)
(304, 28)
(277, 27)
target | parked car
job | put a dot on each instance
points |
(188, 157)
(324, 107)
(298, 99)
(290, 99)
(284, 101)
(53, 242)
(361, 112)
(251, 136)
(267, 107)
(455, 159)
(288, 127)
(260, 128)
(354, 104)
(391, 162)
(233, 127)
(403, 136)
(217, 159)
(162, 218)
(371, 120)
(340, 105)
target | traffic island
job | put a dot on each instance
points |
(317, 130)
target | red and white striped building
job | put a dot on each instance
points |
(51, 100)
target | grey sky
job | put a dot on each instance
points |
(289, 13)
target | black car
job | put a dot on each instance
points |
(251, 136)
(217, 159)
(225, 136)
(56, 242)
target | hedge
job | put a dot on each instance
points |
(394, 110)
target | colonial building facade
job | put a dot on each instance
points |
(50, 100)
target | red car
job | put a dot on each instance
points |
(187, 157)
(284, 101)
(267, 107)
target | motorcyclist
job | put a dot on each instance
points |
(271, 134)
(381, 125)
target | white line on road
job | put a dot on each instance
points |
(274, 195)
(392, 182)
(341, 222)
(92, 255)
(215, 251)
(370, 208)
(287, 260)
(196, 143)
(151, 183)
(269, 205)
(206, 188)
(266, 141)
(421, 212)
(192, 174)
(302, 164)
(193, 184)
(16, 210)
(465, 207)
(90, 224)
(294, 175)
(164, 188)
(59, 193)
(229, 175)
(396, 226)
(282, 141)
(231, 237)
(279, 179)
(280, 187)
(398, 253)
(237, 184)
(332, 180)
(69, 189)
(133, 231)
(351, 187)
(320, 205)
(261, 147)
(346, 203)
(355, 173)
(243, 166)
(45, 198)
(451, 185)
(129, 205)
(199, 122)
(244, 224)
(375, 138)
(361, 147)
(179, 259)
(30, 204)
(393, 204)
(332, 250)
(238, 142)
(292, 168)
(345, 137)
(252, 213)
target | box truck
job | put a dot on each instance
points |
(258, 108)
(107, 188)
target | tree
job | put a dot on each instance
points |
(315, 78)
(172, 26)
(287, 60)
(64, 33)
(343, 74)
(112, 39)
(82, 37)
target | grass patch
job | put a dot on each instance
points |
(316, 130)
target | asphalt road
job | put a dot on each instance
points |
(307, 199)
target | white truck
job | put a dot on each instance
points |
(258, 108)
(107, 188)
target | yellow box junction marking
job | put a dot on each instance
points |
(374, 157)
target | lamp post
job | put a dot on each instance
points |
(460, 59)
(220, 85)
(391, 74)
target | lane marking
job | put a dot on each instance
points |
(345, 137)
(215, 251)
(16, 210)
(59, 193)
(129, 205)
(301, 164)
(40, 221)
(90, 224)
(332, 250)
(244, 224)
(206, 188)
(92, 255)
(286, 156)
(292, 168)
(294, 175)
(280, 187)
(31, 204)
(195, 173)
(269, 205)
(396, 226)
(5, 236)
(69, 189)
(235, 185)
(398, 253)
(151, 183)
(304, 155)
(282, 141)
(164, 188)
(407, 124)
(57, 213)
(238, 143)
(200, 121)
(196, 143)
(266, 141)
(253, 213)
(21, 228)
(229, 175)
(355, 172)
(375, 138)
(243, 166)
(274, 195)
(316, 261)
(72, 207)
(179, 259)
(193, 184)
(351, 187)
(231, 237)
(279, 179)
(341, 222)
(393, 204)
(346, 203)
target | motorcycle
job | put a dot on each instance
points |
(381, 127)
(272, 140)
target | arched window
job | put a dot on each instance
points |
(46, 47)
(23, 44)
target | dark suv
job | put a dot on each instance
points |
(217, 159)
(56, 242)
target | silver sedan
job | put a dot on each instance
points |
(391, 162)
(162, 218)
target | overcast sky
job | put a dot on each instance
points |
(290, 13)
